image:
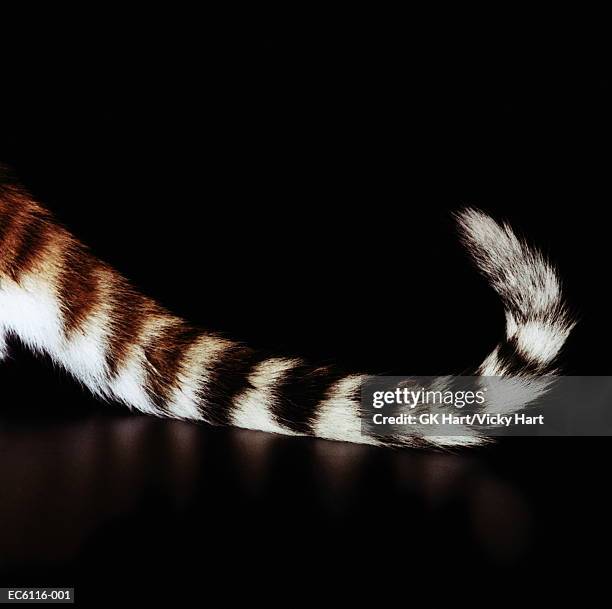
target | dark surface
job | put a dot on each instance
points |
(109, 502)
(297, 196)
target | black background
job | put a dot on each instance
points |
(297, 193)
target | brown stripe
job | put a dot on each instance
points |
(164, 356)
(9, 226)
(34, 236)
(78, 286)
(8, 213)
(129, 313)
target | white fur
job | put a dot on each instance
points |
(192, 376)
(507, 395)
(83, 354)
(338, 417)
(128, 387)
(3, 346)
(30, 310)
(253, 406)
(541, 341)
(129, 384)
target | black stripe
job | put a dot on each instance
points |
(227, 378)
(300, 391)
(165, 355)
(514, 361)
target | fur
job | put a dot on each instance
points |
(59, 300)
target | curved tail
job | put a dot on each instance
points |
(58, 299)
(537, 320)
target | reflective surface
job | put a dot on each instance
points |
(141, 502)
(63, 483)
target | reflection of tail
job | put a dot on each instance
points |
(537, 321)
(60, 300)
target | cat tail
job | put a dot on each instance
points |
(61, 301)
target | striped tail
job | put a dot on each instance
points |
(537, 320)
(59, 300)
